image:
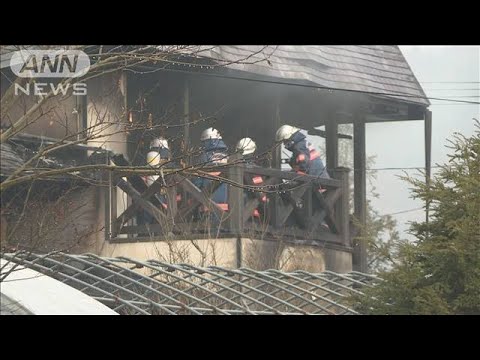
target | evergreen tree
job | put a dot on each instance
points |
(438, 273)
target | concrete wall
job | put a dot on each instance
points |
(256, 254)
(219, 252)
(338, 261)
(259, 254)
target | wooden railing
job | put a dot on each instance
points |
(295, 207)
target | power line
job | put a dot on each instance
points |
(451, 89)
(400, 168)
(451, 104)
(403, 212)
(465, 96)
(449, 82)
(394, 168)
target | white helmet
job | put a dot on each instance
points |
(210, 133)
(246, 146)
(159, 142)
(285, 132)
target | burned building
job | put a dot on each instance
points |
(243, 91)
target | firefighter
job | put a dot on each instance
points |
(158, 154)
(247, 147)
(214, 152)
(305, 159)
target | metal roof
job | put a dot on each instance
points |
(26, 291)
(374, 69)
(153, 287)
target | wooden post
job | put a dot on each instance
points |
(277, 151)
(235, 195)
(308, 205)
(342, 212)
(81, 107)
(274, 204)
(238, 251)
(107, 201)
(107, 212)
(331, 142)
(172, 204)
(113, 204)
(360, 186)
(3, 230)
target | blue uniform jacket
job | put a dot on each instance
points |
(304, 157)
(215, 152)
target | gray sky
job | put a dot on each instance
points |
(401, 144)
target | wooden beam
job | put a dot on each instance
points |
(329, 218)
(113, 204)
(281, 234)
(82, 116)
(285, 211)
(208, 191)
(332, 196)
(186, 211)
(342, 211)
(376, 118)
(235, 195)
(140, 229)
(199, 195)
(129, 212)
(290, 175)
(252, 204)
(416, 111)
(274, 205)
(323, 134)
(308, 205)
(249, 207)
(316, 220)
(136, 181)
(288, 236)
(360, 187)
(107, 205)
(331, 142)
(277, 150)
(238, 251)
(171, 203)
(144, 204)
